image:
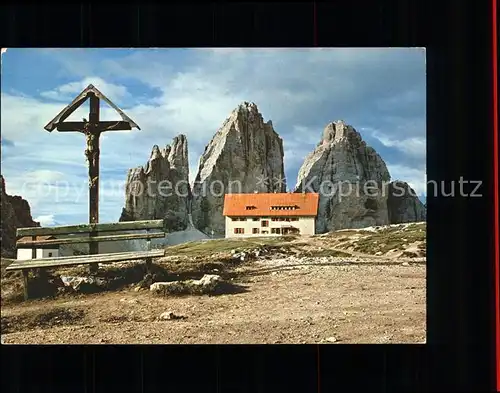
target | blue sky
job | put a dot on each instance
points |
(381, 92)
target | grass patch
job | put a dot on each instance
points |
(343, 233)
(206, 248)
(391, 238)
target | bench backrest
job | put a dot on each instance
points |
(91, 230)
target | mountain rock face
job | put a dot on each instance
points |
(160, 190)
(403, 204)
(351, 178)
(15, 213)
(244, 156)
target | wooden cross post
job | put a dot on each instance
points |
(92, 130)
(92, 135)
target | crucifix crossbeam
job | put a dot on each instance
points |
(92, 129)
(102, 126)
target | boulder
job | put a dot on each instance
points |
(206, 285)
(85, 283)
(169, 316)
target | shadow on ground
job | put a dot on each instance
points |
(42, 318)
(49, 284)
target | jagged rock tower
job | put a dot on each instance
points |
(160, 190)
(354, 184)
(342, 162)
(403, 204)
(245, 155)
(15, 213)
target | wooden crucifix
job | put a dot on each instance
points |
(92, 130)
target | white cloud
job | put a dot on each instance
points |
(405, 98)
(284, 83)
(47, 220)
(49, 169)
(297, 146)
(23, 117)
(307, 135)
(3, 51)
(43, 176)
(415, 147)
(416, 178)
(70, 90)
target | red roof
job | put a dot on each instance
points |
(271, 204)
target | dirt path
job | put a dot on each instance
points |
(354, 300)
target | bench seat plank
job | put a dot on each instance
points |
(89, 239)
(83, 259)
(85, 256)
(86, 228)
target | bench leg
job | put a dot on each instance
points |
(93, 250)
(42, 274)
(93, 268)
(26, 284)
(149, 263)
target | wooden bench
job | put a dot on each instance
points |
(92, 232)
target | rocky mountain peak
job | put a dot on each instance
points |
(15, 213)
(243, 150)
(166, 151)
(245, 112)
(156, 153)
(245, 155)
(337, 131)
(353, 183)
(151, 192)
(247, 106)
(343, 161)
(403, 204)
(177, 155)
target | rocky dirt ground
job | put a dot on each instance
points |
(355, 286)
